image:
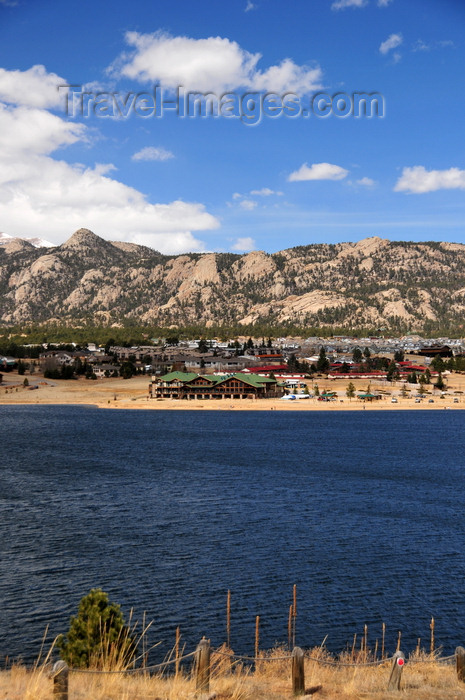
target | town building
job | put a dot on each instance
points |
(189, 385)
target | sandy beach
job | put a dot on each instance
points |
(133, 394)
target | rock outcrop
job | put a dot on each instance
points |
(373, 283)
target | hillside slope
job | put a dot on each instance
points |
(372, 283)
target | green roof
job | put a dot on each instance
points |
(178, 376)
(253, 379)
(185, 377)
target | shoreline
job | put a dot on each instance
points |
(237, 405)
(133, 395)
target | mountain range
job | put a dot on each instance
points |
(374, 283)
(5, 238)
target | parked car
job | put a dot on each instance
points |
(394, 400)
(456, 400)
(430, 400)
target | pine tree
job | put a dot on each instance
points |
(97, 636)
(322, 364)
(350, 391)
(440, 383)
(438, 363)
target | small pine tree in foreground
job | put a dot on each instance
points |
(98, 636)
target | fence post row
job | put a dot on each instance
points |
(298, 672)
(60, 673)
(202, 656)
(398, 661)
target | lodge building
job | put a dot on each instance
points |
(189, 385)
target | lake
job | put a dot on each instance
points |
(166, 511)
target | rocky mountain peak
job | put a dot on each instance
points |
(15, 245)
(371, 284)
(84, 238)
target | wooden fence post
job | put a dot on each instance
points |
(257, 638)
(298, 671)
(60, 673)
(203, 666)
(294, 613)
(176, 651)
(398, 661)
(228, 619)
(460, 663)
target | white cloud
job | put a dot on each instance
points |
(318, 171)
(366, 182)
(248, 204)
(418, 180)
(33, 87)
(215, 65)
(244, 244)
(392, 42)
(26, 131)
(342, 4)
(265, 192)
(152, 153)
(384, 3)
(421, 45)
(250, 6)
(46, 197)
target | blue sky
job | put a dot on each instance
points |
(204, 183)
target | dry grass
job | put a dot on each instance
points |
(425, 680)
(132, 394)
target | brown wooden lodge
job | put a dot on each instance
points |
(189, 385)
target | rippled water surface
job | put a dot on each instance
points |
(364, 511)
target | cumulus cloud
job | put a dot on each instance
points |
(25, 132)
(33, 87)
(248, 204)
(250, 6)
(43, 196)
(265, 192)
(152, 153)
(318, 171)
(244, 245)
(418, 180)
(366, 182)
(392, 42)
(214, 64)
(384, 3)
(342, 4)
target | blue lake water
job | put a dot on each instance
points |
(166, 511)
